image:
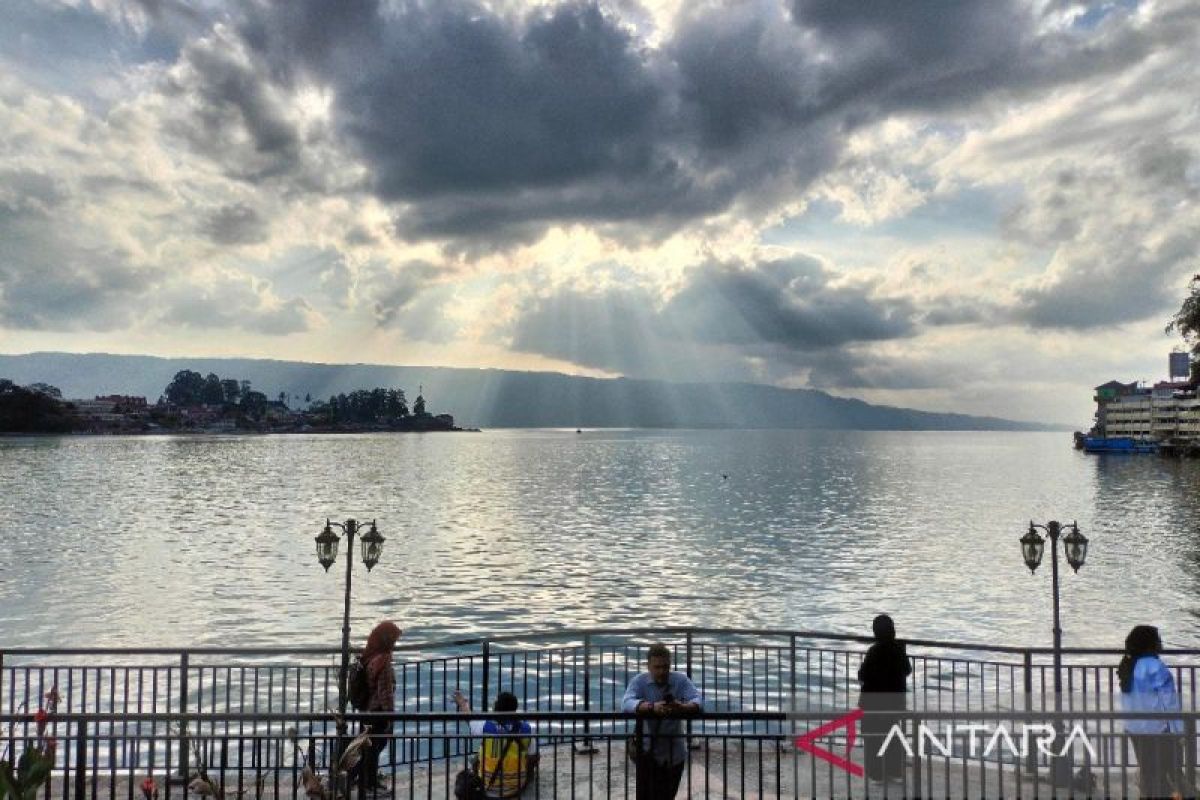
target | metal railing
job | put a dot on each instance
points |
(744, 671)
(723, 759)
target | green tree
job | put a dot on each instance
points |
(186, 388)
(25, 411)
(46, 389)
(253, 404)
(231, 391)
(1186, 323)
(214, 392)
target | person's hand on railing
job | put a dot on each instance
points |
(686, 709)
(647, 708)
(667, 708)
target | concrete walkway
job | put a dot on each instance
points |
(729, 773)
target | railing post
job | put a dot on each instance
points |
(791, 742)
(1031, 755)
(916, 759)
(588, 749)
(1189, 752)
(185, 748)
(687, 667)
(487, 657)
(792, 692)
(80, 759)
(223, 764)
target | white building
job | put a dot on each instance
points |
(1168, 411)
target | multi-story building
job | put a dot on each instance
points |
(1167, 412)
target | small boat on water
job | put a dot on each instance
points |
(1118, 444)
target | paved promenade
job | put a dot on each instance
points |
(726, 773)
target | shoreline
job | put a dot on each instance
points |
(234, 432)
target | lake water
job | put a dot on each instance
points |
(172, 541)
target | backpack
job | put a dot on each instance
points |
(469, 786)
(358, 688)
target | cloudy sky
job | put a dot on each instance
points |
(986, 206)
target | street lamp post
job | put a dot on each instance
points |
(1075, 546)
(327, 547)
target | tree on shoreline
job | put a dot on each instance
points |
(33, 409)
(367, 407)
(1186, 323)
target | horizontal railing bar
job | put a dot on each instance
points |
(570, 634)
(531, 716)
(430, 716)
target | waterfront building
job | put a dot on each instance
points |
(1167, 412)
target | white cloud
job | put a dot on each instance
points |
(971, 198)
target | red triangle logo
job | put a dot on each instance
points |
(807, 741)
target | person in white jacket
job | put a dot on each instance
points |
(1147, 685)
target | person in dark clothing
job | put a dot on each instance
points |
(381, 677)
(883, 677)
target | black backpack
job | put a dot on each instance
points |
(358, 688)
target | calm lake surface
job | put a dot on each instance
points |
(172, 541)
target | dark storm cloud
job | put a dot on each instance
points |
(483, 123)
(235, 224)
(480, 122)
(788, 303)
(224, 106)
(844, 370)
(468, 103)
(916, 52)
(1127, 281)
(782, 309)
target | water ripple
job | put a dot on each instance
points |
(209, 540)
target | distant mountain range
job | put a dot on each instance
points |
(495, 398)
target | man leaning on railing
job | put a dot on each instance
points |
(664, 698)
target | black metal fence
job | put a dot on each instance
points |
(724, 759)
(749, 674)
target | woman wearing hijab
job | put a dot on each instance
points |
(381, 677)
(883, 677)
(1147, 685)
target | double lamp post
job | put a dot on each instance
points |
(1075, 546)
(327, 548)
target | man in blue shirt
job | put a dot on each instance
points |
(664, 698)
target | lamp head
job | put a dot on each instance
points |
(372, 547)
(1075, 546)
(1032, 548)
(327, 546)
